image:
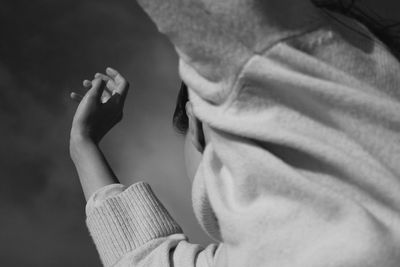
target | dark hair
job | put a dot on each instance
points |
(180, 119)
(387, 31)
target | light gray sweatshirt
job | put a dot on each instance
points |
(302, 168)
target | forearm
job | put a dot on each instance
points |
(93, 169)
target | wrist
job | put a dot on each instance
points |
(80, 135)
(80, 144)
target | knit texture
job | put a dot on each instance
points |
(103, 193)
(127, 221)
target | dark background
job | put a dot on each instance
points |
(47, 48)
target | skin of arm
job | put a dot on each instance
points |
(93, 169)
(99, 110)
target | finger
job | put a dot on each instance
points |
(76, 97)
(112, 73)
(104, 99)
(116, 76)
(122, 85)
(110, 84)
(109, 88)
(102, 76)
(105, 96)
(87, 83)
(97, 88)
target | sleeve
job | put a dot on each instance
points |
(133, 228)
(214, 39)
(103, 193)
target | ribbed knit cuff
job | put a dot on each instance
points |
(126, 221)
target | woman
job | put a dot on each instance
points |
(295, 113)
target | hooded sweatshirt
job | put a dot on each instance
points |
(302, 165)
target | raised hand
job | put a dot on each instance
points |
(101, 108)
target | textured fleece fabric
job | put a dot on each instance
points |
(302, 168)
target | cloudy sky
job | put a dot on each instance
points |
(47, 48)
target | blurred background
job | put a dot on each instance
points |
(47, 48)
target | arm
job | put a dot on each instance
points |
(132, 227)
(93, 169)
(93, 119)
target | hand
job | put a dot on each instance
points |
(101, 107)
